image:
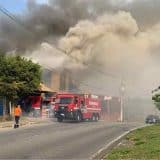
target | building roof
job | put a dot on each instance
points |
(44, 88)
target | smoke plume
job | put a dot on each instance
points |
(114, 43)
(120, 45)
(47, 22)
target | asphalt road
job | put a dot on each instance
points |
(59, 140)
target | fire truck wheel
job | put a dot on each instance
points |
(78, 117)
(97, 117)
(93, 118)
(59, 119)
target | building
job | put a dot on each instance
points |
(59, 81)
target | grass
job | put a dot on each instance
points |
(141, 144)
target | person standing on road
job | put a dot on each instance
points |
(17, 115)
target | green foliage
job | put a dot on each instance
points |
(18, 76)
(156, 99)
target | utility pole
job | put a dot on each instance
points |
(122, 90)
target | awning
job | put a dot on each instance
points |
(44, 88)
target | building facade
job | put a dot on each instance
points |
(59, 81)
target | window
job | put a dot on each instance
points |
(66, 100)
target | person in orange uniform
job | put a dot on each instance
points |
(17, 115)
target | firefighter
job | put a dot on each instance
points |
(17, 115)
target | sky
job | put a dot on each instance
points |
(17, 6)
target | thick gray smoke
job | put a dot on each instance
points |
(125, 44)
(114, 43)
(112, 48)
(46, 22)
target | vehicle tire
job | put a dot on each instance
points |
(97, 118)
(60, 119)
(93, 118)
(78, 117)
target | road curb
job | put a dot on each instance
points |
(11, 124)
(108, 147)
(22, 123)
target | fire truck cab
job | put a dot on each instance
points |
(77, 107)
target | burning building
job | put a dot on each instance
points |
(59, 81)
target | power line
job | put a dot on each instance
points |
(14, 18)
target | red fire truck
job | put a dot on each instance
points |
(77, 107)
(34, 104)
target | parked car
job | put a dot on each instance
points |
(152, 119)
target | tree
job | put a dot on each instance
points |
(156, 99)
(18, 77)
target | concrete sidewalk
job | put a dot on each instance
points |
(25, 121)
